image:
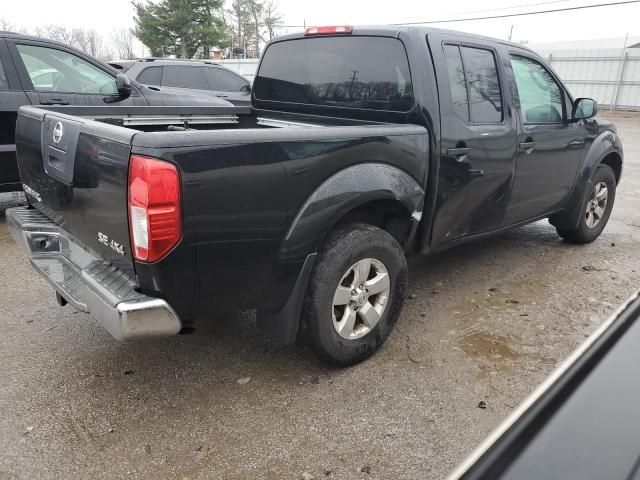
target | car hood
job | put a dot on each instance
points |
(179, 97)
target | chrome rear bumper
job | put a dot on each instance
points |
(89, 283)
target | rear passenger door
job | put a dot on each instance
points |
(150, 76)
(228, 85)
(478, 139)
(189, 77)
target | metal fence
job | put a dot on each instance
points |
(611, 76)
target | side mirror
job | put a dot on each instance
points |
(246, 88)
(123, 84)
(584, 108)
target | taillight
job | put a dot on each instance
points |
(154, 207)
(328, 30)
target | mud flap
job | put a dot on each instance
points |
(282, 326)
(570, 220)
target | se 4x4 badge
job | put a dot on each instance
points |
(112, 244)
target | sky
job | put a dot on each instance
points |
(603, 22)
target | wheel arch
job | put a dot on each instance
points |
(606, 149)
(378, 193)
(614, 160)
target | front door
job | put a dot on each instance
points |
(549, 147)
(477, 150)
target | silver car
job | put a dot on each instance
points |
(200, 75)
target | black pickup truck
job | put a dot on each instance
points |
(363, 145)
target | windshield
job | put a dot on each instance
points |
(355, 72)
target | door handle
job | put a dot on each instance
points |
(221, 95)
(576, 144)
(460, 154)
(54, 101)
(527, 147)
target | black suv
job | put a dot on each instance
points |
(35, 71)
(203, 76)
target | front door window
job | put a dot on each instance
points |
(540, 96)
(53, 70)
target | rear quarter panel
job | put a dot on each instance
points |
(242, 190)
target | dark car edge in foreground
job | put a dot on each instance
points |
(581, 423)
(306, 207)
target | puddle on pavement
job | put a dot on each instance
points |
(481, 344)
(500, 350)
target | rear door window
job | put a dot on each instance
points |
(222, 80)
(4, 85)
(150, 76)
(355, 72)
(483, 85)
(184, 77)
(457, 82)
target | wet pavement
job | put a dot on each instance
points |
(486, 322)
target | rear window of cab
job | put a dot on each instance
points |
(354, 72)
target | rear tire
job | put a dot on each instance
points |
(597, 208)
(356, 293)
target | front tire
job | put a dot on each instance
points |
(597, 209)
(355, 294)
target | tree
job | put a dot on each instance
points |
(252, 22)
(271, 18)
(255, 10)
(122, 41)
(180, 27)
(6, 25)
(239, 20)
(58, 33)
(88, 41)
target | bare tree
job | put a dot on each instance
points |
(59, 33)
(255, 11)
(252, 22)
(6, 25)
(238, 19)
(272, 19)
(88, 41)
(122, 41)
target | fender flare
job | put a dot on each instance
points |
(343, 192)
(603, 145)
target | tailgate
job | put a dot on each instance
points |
(75, 172)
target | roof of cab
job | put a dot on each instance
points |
(396, 30)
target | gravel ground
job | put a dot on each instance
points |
(485, 322)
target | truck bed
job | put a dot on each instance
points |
(243, 185)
